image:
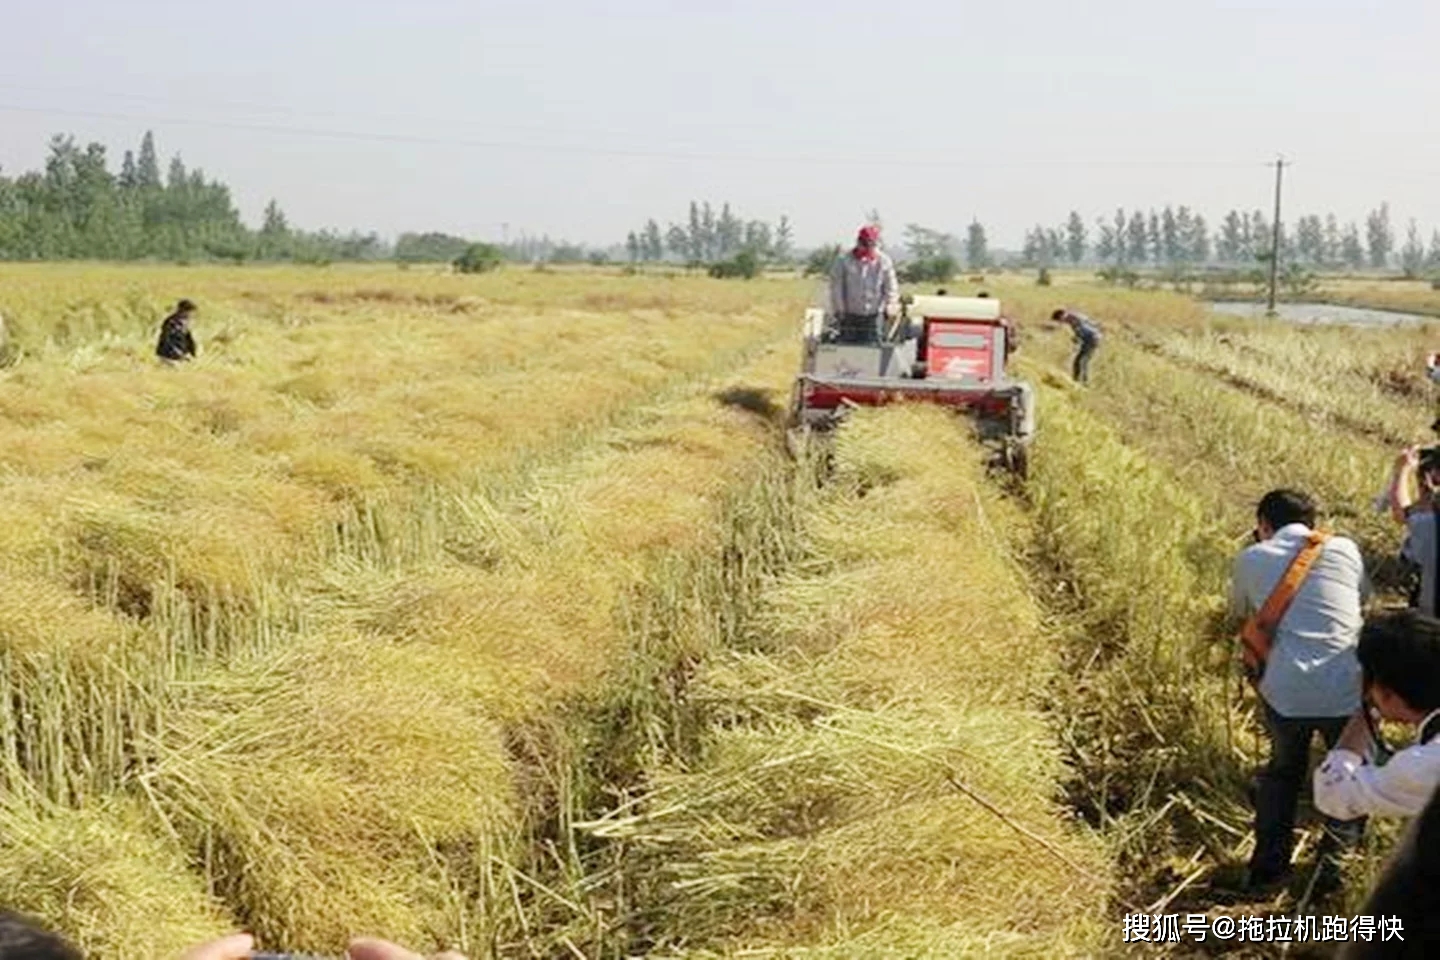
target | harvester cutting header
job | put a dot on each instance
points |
(951, 351)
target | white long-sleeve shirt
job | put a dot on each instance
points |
(1346, 787)
(863, 287)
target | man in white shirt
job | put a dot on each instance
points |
(863, 290)
(1399, 657)
(1311, 679)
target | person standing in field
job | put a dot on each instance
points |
(176, 340)
(1087, 341)
(1308, 679)
(863, 289)
(1413, 483)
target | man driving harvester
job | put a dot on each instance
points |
(863, 290)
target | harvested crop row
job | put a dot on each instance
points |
(872, 776)
(1145, 563)
(1144, 542)
(160, 517)
(1229, 446)
(361, 777)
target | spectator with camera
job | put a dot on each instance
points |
(1301, 591)
(1413, 483)
(1399, 657)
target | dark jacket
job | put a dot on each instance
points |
(176, 343)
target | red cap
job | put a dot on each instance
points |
(868, 234)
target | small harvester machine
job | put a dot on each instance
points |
(944, 350)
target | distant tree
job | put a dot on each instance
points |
(977, 250)
(757, 237)
(652, 244)
(1033, 251)
(822, 259)
(1106, 248)
(937, 269)
(1379, 235)
(677, 241)
(1075, 239)
(1330, 250)
(709, 236)
(1352, 251)
(1230, 244)
(129, 176)
(176, 179)
(1432, 259)
(479, 258)
(1199, 240)
(1170, 245)
(1122, 247)
(147, 167)
(745, 265)
(565, 252)
(784, 243)
(1310, 240)
(931, 252)
(1259, 236)
(428, 247)
(925, 243)
(1137, 238)
(1412, 255)
(632, 247)
(1155, 242)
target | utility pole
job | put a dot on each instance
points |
(1275, 239)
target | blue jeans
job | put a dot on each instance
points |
(1080, 369)
(1278, 793)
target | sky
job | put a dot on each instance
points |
(580, 120)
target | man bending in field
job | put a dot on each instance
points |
(1087, 341)
(176, 341)
(863, 290)
(1309, 678)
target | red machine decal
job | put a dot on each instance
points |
(962, 350)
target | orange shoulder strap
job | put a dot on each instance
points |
(1278, 602)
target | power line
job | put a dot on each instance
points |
(829, 159)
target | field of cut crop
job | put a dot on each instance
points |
(490, 613)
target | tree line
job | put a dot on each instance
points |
(77, 207)
(1178, 236)
(708, 236)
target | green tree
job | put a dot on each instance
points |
(1106, 247)
(632, 246)
(1352, 251)
(479, 258)
(1230, 245)
(745, 265)
(1137, 239)
(1199, 239)
(977, 248)
(1379, 236)
(677, 241)
(1412, 255)
(1330, 250)
(147, 167)
(1075, 239)
(1170, 246)
(784, 243)
(822, 259)
(652, 244)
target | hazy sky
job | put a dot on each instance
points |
(582, 119)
